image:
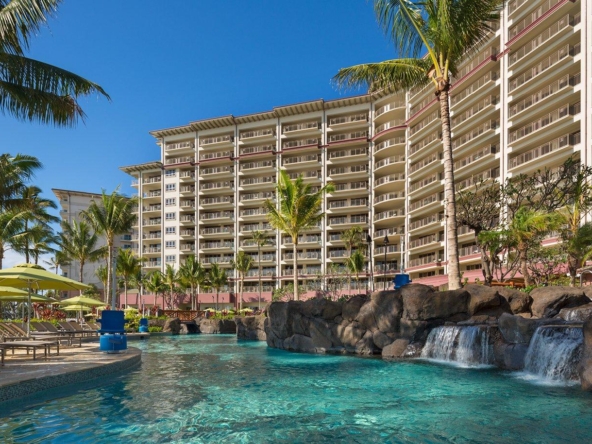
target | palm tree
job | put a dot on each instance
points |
(352, 238)
(14, 173)
(80, 243)
(58, 260)
(355, 264)
(112, 216)
(155, 284)
(31, 90)
(193, 276)
(10, 227)
(445, 31)
(528, 226)
(102, 273)
(139, 280)
(218, 279)
(128, 265)
(242, 264)
(260, 238)
(171, 279)
(298, 209)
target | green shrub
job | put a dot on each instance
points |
(155, 329)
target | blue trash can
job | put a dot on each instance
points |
(143, 325)
(113, 338)
(401, 280)
(113, 343)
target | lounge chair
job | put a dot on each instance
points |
(29, 345)
(80, 329)
(16, 333)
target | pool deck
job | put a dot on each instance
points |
(22, 376)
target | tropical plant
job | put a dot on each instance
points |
(15, 171)
(355, 265)
(10, 228)
(218, 279)
(298, 209)
(57, 261)
(102, 273)
(155, 284)
(31, 90)
(37, 240)
(352, 238)
(128, 265)
(261, 239)
(139, 280)
(80, 243)
(445, 32)
(112, 216)
(527, 229)
(172, 281)
(242, 264)
(193, 276)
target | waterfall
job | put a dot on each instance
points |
(466, 345)
(554, 353)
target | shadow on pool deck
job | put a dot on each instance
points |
(22, 376)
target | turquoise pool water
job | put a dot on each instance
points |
(215, 389)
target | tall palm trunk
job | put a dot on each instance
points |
(259, 265)
(109, 274)
(451, 231)
(217, 294)
(572, 266)
(523, 252)
(242, 286)
(295, 265)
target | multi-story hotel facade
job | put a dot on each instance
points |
(522, 103)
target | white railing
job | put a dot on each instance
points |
(217, 139)
(348, 136)
(535, 153)
(257, 133)
(363, 117)
(300, 126)
(179, 146)
(390, 178)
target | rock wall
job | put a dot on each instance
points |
(216, 326)
(251, 327)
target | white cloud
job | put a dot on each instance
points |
(12, 258)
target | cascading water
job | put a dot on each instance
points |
(465, 345)
(554, 353)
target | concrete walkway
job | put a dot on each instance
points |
(23, 376)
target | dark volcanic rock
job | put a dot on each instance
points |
(422, 304)
(548, 301)
(486, 301)
(251, 327)
(396, 349)
(172, 325)
(585, 367)
(217, 326)
(577, 314)
(520, 301)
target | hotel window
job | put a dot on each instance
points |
(170, 216)
(170, 244)
(170, 201)
(170, 173)
(170, 258)
(170, 187)
(170, 230)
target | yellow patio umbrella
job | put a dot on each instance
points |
(34, 277)
(82, 300)
(78, 307)
(11, 291)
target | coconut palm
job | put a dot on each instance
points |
(30, 90)
(432, 39)
(355, 264)
(298, 209)
(194, 277)
(260, 238)
(41, 240)
(15, 171)
(527, 227)
(112, 216)
(218, 279)
(242, 264)
(172, 280)
(80, 243)
(10, 227)
(102, 273)
(352, 238)
(57, 261)
(139, 281)
(128, 265)
(155, 284)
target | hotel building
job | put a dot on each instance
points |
(522, 103)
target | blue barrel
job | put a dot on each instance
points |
(112, 343)
(143, 325)
(401, 280)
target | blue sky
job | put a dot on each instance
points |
(166, 63)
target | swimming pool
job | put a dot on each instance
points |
(208, 388)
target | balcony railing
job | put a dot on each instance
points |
(389, 106)
(306, 175)
(257, 149)
(301, 159)
(348, 203)
(253, 212)
(390, 142)
(487, 101)
(389, 232)
(152, 208)
(474, 87)
(362, 117)
(471, 135)
(389, 196)
(424, 122)
(544, 121)
(545, 92)
(213, 245)
(187, 189)
(389, 125)
(426, 240)
(432, 137)
(216, 185)
(436, 197)
(217, 215)
(541, 9)
(187, 175)
(156, 179)
(388, 214)
(255, 227)
(348, 153)
(157, 193)
(435, 157)
(362, 185)
(216, 200)
(155, 221)
(210, 156)
(256, 165)
(302, 255)
(257, 180)
(348, 136)
(300, 127)
(217, 260)
(471, 62)
(389, 179)
(491, 149)
(179, 146)
(426, 221)
(425, 182)
(389, 249)
(543, 66)
(514, 5)
(348, 170)
(485, 175)
(424, 260)
(217, 170)
(389, 161)
(187, 233)
(174, 160)
(253, 243)
(257, 133)
(469, 251)
(361, 219)
(257, 196)
(287, 240)
(187, 218)
(187, 203)
(301, 142)
(217, 139)
(535, 153)
(217, 230)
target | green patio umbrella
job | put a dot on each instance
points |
(76, 308)
(11, 291)
(25, 298)
(34, 277)
(82, 300)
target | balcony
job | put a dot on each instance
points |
(213, 186)
(427, 260)
(390, 161)
(389, 107)
(424, 123)
(150, 194)
(541, 10)
(218, 155)
(389, 196)
(470, 114)
(389, 214)
(257, 149)
(187, 248)
(346, 155)
(179, 146)
(472, 62)
(217, 231)
(543, 122)
(357, 135)
(483, 176)
(187, 175)
(351, 186)
(389, 249)
(355, 118)
(263, 226)
(269, 243)
(434, 139)
(353, 170)
(485, 128)
(256, 134)
(469, 251)
(217, 140)
(468, 160)
(389, 143)
(398, 178)
(217, 215)
(254, 181)
(176, 160)
(482, 84)
(425, 240)
(187, 219)
(436, 197)
(389, 232)
(314, 158)
(153, 263)
(262, 195)
(152, 235)
(296, 127)
(217, 170)
(304, 239)
(151, 222)
(301, 143)
(344, 220)
(216, 245)
(347, 203)
(434, 178)
(306, 175)
(187, 204)
(187, 189)
(436, 157)
(150, 208)
(306, 255)
(187, 233)
(257, 165)
(154, 179)
(396, 123)
(217, 259)
(429, 220)
(216, 200)
(251, 212)
(152, 250)
(566, 141)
